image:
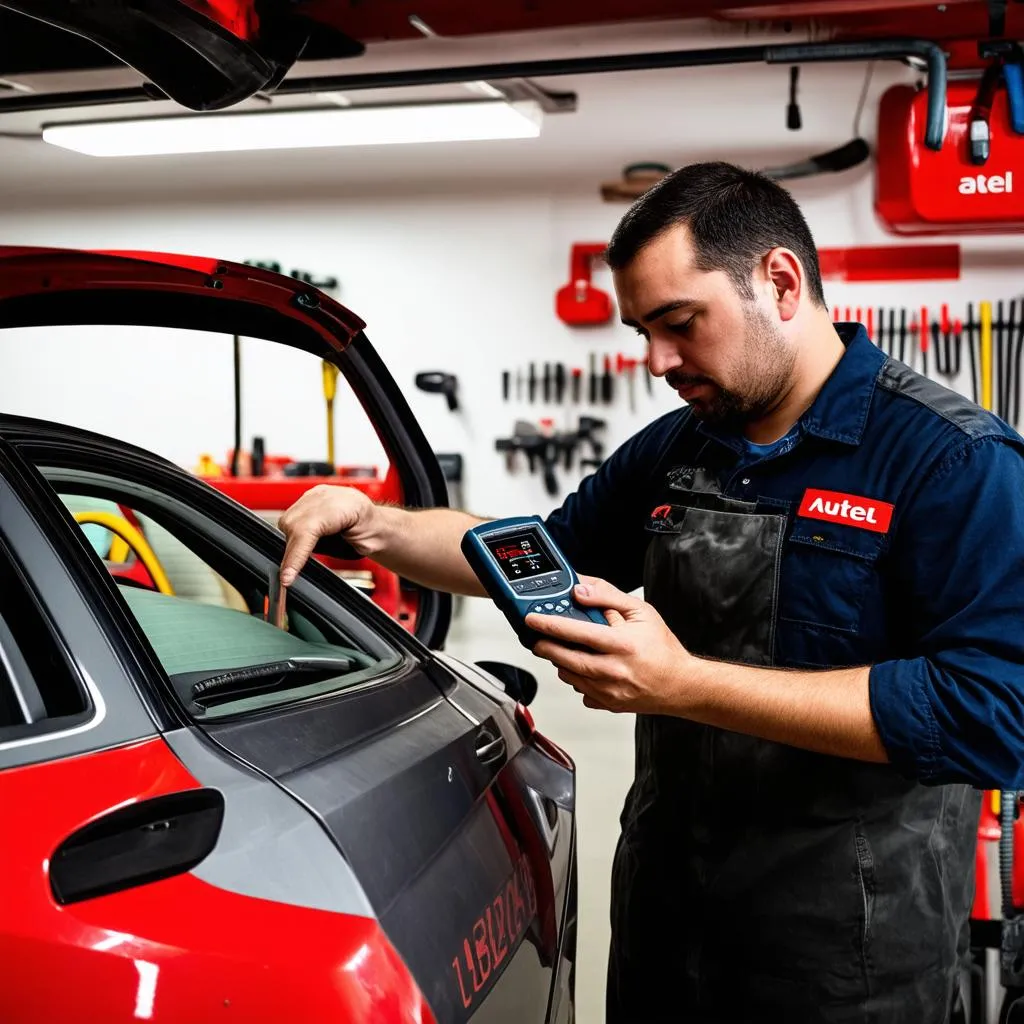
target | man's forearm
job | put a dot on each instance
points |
(828, 712)
(423, 545)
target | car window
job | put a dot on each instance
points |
(39, 690)
(204, 609)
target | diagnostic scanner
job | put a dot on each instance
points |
(523, 571)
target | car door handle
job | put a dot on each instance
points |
(490, 746)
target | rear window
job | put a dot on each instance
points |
(204, 611)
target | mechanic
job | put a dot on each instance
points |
(830, 655)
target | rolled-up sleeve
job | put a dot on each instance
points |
(954, 712)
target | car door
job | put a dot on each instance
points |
(455, 818)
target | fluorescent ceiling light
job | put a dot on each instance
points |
(296, 129)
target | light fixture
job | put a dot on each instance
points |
(295, 129)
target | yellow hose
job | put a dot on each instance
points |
(986, 355)
(121, 528)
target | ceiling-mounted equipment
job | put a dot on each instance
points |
(919, 192)
(294, 129)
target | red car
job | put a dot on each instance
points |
(211, 818)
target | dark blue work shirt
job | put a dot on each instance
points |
(911, 561)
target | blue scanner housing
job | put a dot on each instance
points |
(523, 571)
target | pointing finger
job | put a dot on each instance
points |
(296, 553)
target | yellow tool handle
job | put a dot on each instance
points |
(330, 372)
(986, 355)
(120, 527)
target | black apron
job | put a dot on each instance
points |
(753, 881)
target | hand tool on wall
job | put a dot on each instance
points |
(593, 379)
(577, 381)
(237, 368)
(648, 376)
(547, 383)
(559, 382)
(607, 386)
(505, 382)
(903, 338)
(519, 385)
(971, 330)
(998, 370)
(579, 302)
(892, 332)
(626, 366)
(869, 324)
(985, 311)
(1009, 350)
(1018, 345)
(924, 340)
(330, 376)
(532, 385)
(942, 343)
(438, 383)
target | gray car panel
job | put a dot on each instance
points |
(270, 846)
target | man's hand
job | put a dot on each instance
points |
(638, 665)
(321, 511)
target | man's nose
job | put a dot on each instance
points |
(662, 356)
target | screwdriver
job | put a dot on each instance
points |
(628, 366)
(593, 379)
(577, 378)
(607, 390)
(506, 379)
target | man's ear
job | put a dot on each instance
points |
(785, 274)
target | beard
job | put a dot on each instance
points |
(765, 367)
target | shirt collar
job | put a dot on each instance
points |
(840, 410)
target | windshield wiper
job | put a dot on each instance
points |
(264, 677)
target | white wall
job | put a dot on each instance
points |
(459, 278)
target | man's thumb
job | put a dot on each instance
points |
(598, 593)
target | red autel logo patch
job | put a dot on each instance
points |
(848, 509)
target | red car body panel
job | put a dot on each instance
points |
(178, 949)
(28, 271)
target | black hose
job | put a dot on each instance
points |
(935, 125)
(1007, 816)
(798, 53)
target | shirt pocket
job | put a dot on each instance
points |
(829, 571)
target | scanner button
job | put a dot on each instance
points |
(563, 604)
(538, 607)
(559, 609)
(549, 606)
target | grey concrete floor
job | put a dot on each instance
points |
(601, 744)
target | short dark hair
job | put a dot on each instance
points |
(734, 215)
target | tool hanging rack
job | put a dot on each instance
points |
(934, 342)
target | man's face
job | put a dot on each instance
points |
(724, 354)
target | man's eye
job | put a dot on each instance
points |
(682, 328)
